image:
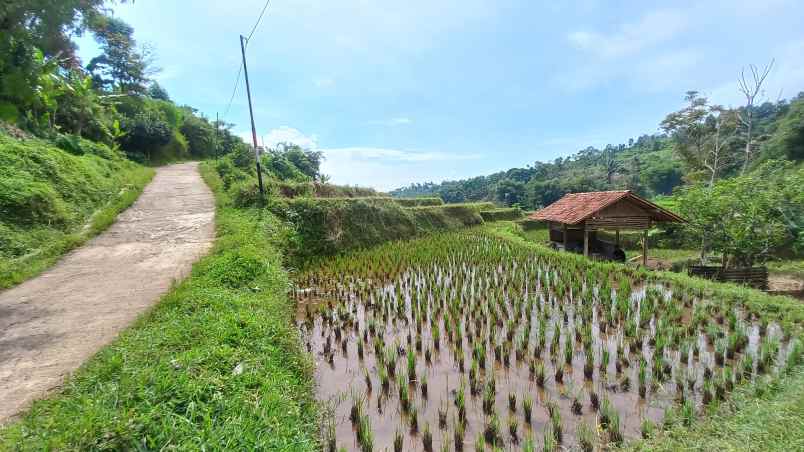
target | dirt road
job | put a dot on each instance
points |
(51, 324)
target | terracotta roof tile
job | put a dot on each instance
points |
(574, 208)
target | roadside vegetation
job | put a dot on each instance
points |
(52, 200)
(216, 365)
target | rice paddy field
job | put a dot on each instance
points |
(466, 341)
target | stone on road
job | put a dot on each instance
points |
(53, 323)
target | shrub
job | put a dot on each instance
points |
(419, 202)
(512, 213)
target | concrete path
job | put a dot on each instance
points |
(53, 323)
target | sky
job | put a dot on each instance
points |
(396, 92)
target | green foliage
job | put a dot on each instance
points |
(170, 381)
(590, 169)
(419, 202)
(513, 213)
(328, 226)
(746, 218)
(121, 66)
(788, 139)
(48, 195)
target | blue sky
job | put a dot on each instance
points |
(395, 92)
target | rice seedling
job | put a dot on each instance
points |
(587, 437)
(413, 419)
(527, 408)
(427, 438)
(458, 432)
(528, 445)
(550, 443)
(458, 300)
(480, 443)
(513, 429)
(555, 423)
(647, 428)
(491, 431)
(399, 441)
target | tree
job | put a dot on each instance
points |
(308, 162)
(121, 66)
(745, 218)
(156, 91)
(611, 166)
(750, 89)
(200, 135)
(702, 136)
(788, 139)
(145, 132)
(509, 192)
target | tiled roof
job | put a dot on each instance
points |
(577, 207)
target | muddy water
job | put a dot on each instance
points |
(334, 318)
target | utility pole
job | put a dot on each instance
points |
(251, 113)
(217, 122)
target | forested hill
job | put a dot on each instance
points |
(646, 165)
(651, 165)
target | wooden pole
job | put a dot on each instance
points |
(565, 237)
(251, 114)
(645, 247)
(585, 242)
(617, 237)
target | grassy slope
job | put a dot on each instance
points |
(52, 201)
(762, 417)
(174, 379)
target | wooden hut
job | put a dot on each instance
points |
(575, 219)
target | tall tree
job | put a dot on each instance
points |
(750, 88)
(122, 66)
(702, 135)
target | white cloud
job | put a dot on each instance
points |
(398, 121)
(286, 134)
(385, 169)
(377, 167)
(651, 29)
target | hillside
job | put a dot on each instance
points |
(651, 165)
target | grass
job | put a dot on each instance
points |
(792, 267)
(768, 416)
(216, 365)
(53, 201)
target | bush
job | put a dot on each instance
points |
(512, 213)
(327, 226)
(419, 202)
(246, 193)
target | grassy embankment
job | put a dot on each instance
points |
(52, 201)
(216, 365)
(766, 415)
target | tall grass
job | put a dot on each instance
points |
(52, 201)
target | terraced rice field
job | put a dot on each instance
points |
(465, 341)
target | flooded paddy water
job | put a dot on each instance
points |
(474, 349)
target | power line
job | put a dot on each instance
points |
(240, 68)
(234, 91)
(258, 21)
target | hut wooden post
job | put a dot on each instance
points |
(565, 237)
(617, 237)
(585, 241)
(645, 247)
